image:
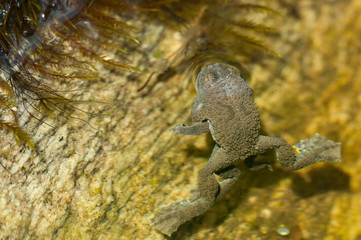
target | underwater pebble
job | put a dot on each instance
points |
(266, 213)
(252, 199)
(263, 229)
(283, 231)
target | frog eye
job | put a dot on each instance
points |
(210, 78)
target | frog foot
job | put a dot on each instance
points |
(171, 217)
(177, 129)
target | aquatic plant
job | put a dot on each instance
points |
(45, 43)
(213, 29)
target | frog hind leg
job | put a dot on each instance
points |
(170, 218)
(229, 177)
(317, 149)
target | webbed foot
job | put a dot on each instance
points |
(177, 129)
(171, 217)
(321, 148)
(307, 152)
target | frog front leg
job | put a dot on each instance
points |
(196, 129)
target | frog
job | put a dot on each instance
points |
(225, 107)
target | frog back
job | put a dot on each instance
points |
(235, 123)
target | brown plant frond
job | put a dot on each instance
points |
(251, 41)
(106, 21)
(4, 86)
(256, 7)
(20, 135)
(247, 24)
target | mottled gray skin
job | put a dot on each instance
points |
(226, 108)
